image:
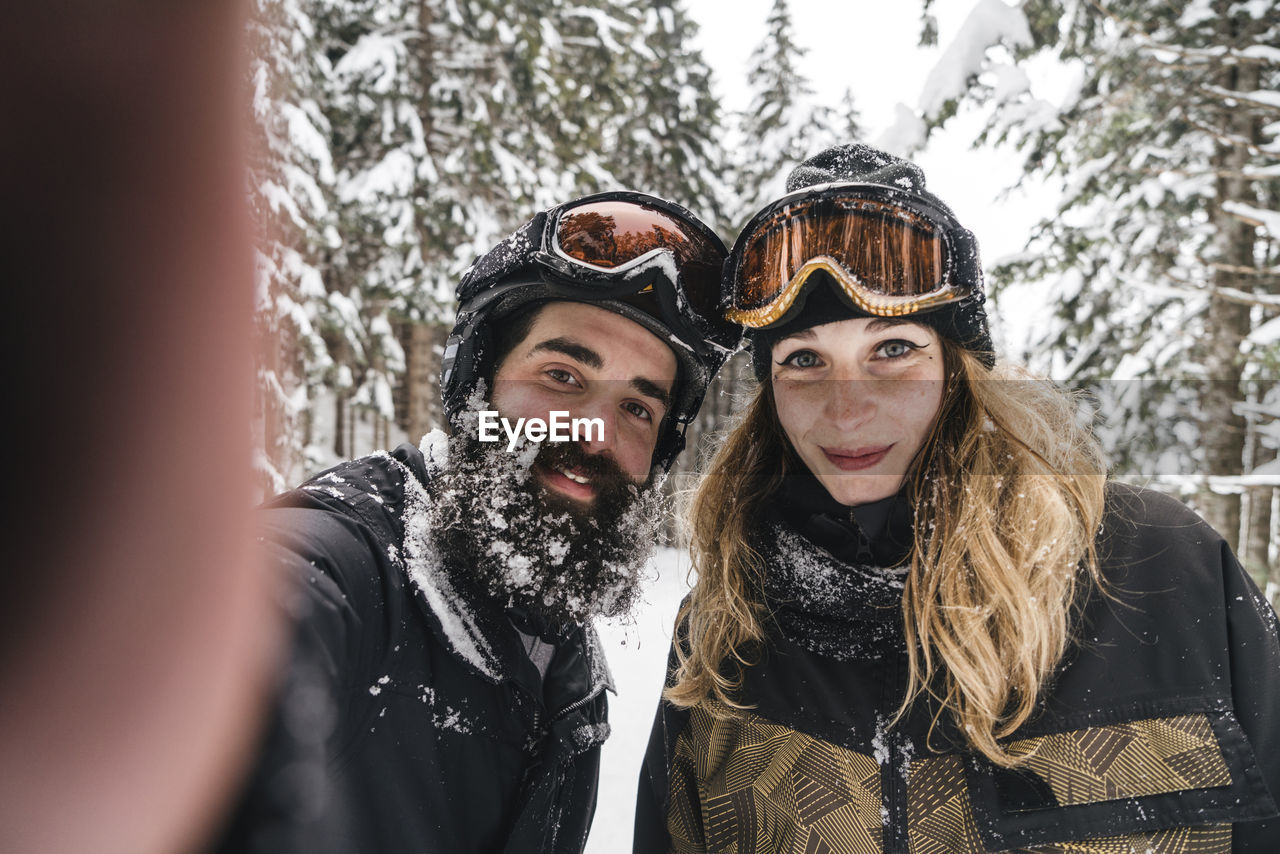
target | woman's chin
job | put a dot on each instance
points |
(852, 490)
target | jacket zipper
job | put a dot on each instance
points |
(896, 839)
(578, 704)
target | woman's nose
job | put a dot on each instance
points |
(851, 401)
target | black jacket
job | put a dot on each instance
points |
(412, 720)
(1160, 731)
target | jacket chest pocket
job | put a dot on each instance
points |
(1160, 781)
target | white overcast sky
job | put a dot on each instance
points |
(867, 45)
(871, 47)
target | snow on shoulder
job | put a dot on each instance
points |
(424, 569)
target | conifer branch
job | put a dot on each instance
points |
(1185, 288)
(1200, 58)
(1221, 54)
(1242, 97)
(1249, 298)
(1226, 139)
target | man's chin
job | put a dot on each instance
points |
(528, 533)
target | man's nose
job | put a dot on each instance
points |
(597, 440)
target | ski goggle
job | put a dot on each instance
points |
(625, 246)
(892, 253)
(620, 246)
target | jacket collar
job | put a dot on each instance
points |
(879, 533)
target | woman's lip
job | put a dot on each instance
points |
(567, 487)
(858, 458)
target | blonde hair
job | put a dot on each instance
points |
(1008, 491)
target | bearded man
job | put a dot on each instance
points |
(447, 691)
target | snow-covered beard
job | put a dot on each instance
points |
(528, 547)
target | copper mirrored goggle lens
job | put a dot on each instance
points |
(612, 234)
(890, 251)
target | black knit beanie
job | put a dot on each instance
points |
(823, 300)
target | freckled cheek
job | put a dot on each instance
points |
(795, 424)
(799, 407)
(916, 405)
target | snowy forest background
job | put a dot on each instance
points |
(397, 139)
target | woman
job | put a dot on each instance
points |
(922, 621)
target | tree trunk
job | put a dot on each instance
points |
(1228, 324)
(1272, 588)
(1256, 547)
(1256, 553)
(417, 393)
(340, 424)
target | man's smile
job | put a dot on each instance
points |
(567, 481)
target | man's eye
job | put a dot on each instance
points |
(562, 376)
(638, 411)
(897, 348)
(801, 359)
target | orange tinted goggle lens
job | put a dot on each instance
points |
(612, 234)
(889, 250)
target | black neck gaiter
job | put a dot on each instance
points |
(834, 575)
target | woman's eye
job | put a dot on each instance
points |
(897, 348)
(562, 376)
(801, 359)
(638, 411)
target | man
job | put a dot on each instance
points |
(447, 692)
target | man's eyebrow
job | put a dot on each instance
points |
(651, 389)
(592, 359)
(573, 350)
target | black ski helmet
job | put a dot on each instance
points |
(523, 272)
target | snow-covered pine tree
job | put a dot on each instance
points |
(518, 102)
(451, 122)
(291, 182)
(668, 139)
(480, 61)
(491, 73)
(782, 126)
(1161, 263)
(374, 97)
(592, 100)
(536, 101)
(847, 120)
